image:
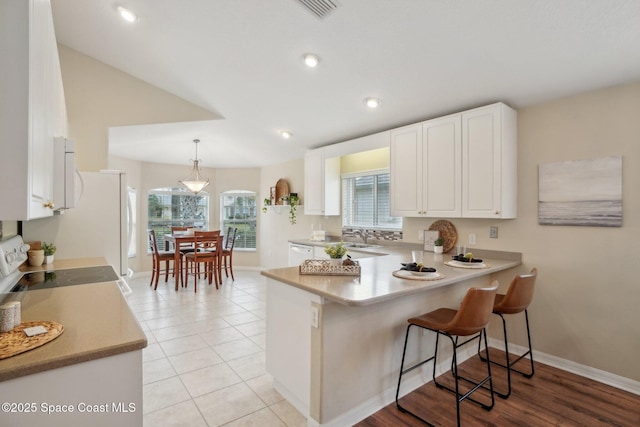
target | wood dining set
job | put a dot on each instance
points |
(195, 253)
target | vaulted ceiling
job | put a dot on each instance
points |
(242, 59)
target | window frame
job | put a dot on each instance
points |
(376, 226)
(251, 223)
(170, 222)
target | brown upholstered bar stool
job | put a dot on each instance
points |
(516, 300)
(470, 319)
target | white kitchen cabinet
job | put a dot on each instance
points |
(461, 165)
(426, 169)
(321, 184)
(490, 162)
(32, 109)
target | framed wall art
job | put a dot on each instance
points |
(581, 192)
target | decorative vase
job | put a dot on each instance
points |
(36, 257)
(48, 259)
(335, 261)
(438, 249)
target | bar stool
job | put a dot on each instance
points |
(470, 319)
(516, 300)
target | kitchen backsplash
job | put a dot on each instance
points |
(354, 233)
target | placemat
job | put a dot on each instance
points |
(16, 341)
(459, 264)
(404, 274)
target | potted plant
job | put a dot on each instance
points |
(294, 200)
(336, 252)
(49, 249)
(437, 245)
(285, 199)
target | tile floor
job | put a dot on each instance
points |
(205, 361)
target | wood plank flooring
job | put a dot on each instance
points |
(551, 398)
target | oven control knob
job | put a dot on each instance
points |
(24, 248)
(11, 257)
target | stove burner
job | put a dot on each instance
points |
(69, 277)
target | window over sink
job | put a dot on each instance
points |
(365, 201)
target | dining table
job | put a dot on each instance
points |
(178, 239)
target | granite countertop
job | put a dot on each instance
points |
(96, 318)
(377, 282)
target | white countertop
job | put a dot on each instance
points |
(377, 283)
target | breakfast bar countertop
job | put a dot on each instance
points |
(377, 282)
(96, 318)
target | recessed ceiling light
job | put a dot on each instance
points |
(127, 15)
(372, 103)
(286, 134)
(311, 60)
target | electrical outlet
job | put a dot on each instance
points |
(493, 232)
(472, 238)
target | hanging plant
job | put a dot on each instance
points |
(293, 203)
(267, 203)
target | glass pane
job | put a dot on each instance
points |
(238, 209)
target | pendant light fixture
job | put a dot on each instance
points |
(195, 182)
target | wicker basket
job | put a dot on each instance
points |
(323, 267)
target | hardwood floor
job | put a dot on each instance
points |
(551, 398)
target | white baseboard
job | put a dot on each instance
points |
(601, 376)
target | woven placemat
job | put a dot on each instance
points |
(404, 274)
(16, 341)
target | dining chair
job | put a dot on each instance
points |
(207, 246)
(227, 251)
(517, 299)
(157, 257)
(470, 320)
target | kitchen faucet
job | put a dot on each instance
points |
(362, 233)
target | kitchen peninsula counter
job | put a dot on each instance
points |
(334, 343)
(97, 359)
(377, 282)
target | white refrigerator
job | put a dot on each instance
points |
(97, 227)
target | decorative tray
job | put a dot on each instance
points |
(322, 267)
(405, 274)
(466, 264)
(16, 341)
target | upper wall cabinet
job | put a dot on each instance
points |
(321, 184)
(461, 165)
(32, 108)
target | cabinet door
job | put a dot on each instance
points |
(406, 171)
(41, 72)
(489, 162)
(313, 182)
(321, 184)
(442, 163)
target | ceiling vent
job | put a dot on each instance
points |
(320, 8)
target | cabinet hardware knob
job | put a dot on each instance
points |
(49, 205)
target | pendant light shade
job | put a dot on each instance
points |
(195, 182)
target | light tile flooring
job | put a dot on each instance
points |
(205, 361)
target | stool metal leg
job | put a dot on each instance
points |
(509, 363)
(459, 397)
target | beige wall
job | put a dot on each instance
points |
(99, 96)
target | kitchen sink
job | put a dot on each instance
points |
(359, 245)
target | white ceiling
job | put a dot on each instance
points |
(242, 60)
